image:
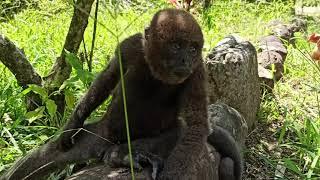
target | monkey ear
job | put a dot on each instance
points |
(147, 33)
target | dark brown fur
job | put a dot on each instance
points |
(164, 79)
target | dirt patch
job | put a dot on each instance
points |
(262, 153)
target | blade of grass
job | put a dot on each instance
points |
(13, 141)
(125, 110)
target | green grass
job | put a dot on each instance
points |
(311, 3)
(296, 107)
(41, 31)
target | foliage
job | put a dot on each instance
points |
(41, 32)
(9, 8)
(310, 2)
(296, 106)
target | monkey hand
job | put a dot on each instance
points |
(66, 139)
(118, 156)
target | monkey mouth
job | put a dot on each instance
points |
(182, 73)
(169, 77)
(173, 78)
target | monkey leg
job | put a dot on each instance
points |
(46, 159)
(146, 152)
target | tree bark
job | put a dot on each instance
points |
(15, 60)
(61, 69)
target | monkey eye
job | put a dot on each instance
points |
(175, 47)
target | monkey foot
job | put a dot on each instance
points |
(144, 159)
(140, 159)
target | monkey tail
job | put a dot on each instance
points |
(226, 145)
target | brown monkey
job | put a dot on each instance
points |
(164, 78)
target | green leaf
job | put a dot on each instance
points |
(85, 76)
(34, 115)
(38, 90)
(313, 165)
(43, 137)
(26, 91)
(69, 82)
(51, 107)
(69, 98)
(292, 166)
(74, 61)
(13, 141)
(282, 132)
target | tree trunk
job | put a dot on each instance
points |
(61, 69)
(15, 60)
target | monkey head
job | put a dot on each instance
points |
(173, 45)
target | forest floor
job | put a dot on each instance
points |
(287, 134)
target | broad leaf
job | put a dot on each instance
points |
(51, 107)
(38, 90)
(74, 61)
(34, 115)
(69, 98)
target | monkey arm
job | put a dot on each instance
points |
(192, 143)
(99, 90)
(107, 80)
(102, 86)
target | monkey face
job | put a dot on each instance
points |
(178, 60)
(173, 46)
(173, 61)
